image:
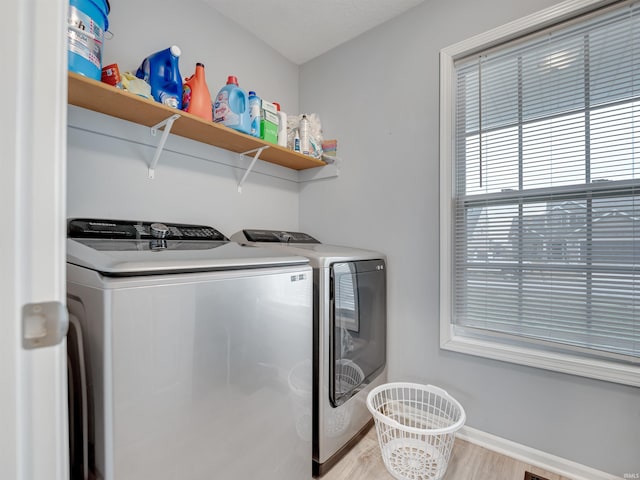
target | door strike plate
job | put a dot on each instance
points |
(43, 324)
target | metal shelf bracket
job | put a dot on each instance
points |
(167, 124)
(257, 151)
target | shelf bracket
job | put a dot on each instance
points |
(167, 124)
(257, 151)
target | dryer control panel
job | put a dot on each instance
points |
(134, 230)
(278, 236)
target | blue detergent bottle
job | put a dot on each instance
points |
(160, 70)
(254, 113)
(231, 107)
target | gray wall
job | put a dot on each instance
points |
(378, 95)
(107, 175)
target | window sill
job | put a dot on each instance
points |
(558, 362)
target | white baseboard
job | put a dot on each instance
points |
(534, 457)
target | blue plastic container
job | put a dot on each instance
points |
(87, 23)
(161, 71)
(254, 114)
(231, 107)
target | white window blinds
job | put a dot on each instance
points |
(547, 188)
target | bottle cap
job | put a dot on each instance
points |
(200, 64)
(251, 92)
(232, 80)
(277, 106)
(175, 51)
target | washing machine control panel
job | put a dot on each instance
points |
(278, 236)
(133, 230)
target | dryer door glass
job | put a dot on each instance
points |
(358, 326)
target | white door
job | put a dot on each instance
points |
(33, 412)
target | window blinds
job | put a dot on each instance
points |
(547, 187)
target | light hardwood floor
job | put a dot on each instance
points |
(467, 462)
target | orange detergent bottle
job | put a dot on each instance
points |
(196, 98)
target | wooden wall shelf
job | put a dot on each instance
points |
(101, 97)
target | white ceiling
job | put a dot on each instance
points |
(303, 29)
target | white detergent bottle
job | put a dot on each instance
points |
(282, 126)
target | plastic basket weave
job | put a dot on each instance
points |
(348, 376)
(416, 427)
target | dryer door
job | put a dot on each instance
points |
(358, 326)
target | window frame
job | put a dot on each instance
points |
(529, 353)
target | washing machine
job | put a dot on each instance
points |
(350, 330)
(186, 354)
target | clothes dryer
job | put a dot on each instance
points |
(350, 330)
(188, 342)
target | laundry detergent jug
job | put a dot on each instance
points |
(196, 98)
(231, 107)
(160, 70)
(87, 22)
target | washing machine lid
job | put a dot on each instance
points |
(298, 243)
(277, 237)
(126, 248)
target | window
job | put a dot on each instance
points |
(540, 165)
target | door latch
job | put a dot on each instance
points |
(43, 324)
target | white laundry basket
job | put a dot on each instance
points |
(416, 427)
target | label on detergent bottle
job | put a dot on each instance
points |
(186, 96)
(296, 143)
(85, 37)
(222, 111)
(254, 119)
